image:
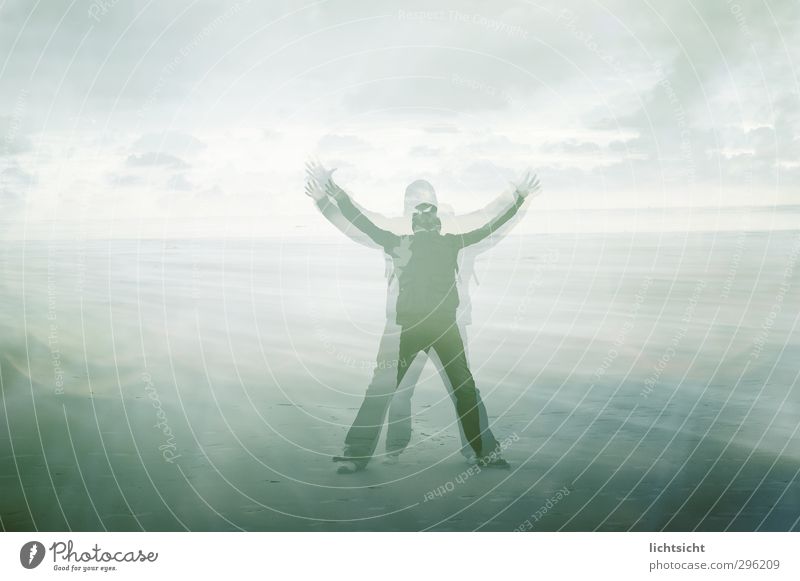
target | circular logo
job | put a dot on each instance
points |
(31, 554)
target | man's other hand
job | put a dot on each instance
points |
(316, 179)
(528, 185)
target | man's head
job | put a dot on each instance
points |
(425, 219)
(419, 192)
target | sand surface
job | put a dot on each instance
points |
(643, 382)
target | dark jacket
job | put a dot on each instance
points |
(426, 263)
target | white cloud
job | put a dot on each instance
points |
(155, 159)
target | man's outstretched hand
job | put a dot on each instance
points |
(319, 182)
(528, 186)
(316, 178)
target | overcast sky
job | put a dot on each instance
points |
(128, 117)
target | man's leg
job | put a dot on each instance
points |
(450, 348)
(399, 429)
(488, 441)
(363, 435)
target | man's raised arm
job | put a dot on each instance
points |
(383, 238)
(527, 186)
(332, 214)
(316, 178)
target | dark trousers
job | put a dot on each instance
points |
(399, 418)
(443, 338)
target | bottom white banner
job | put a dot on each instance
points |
(618, 556)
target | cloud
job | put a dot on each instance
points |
(11, 141)
(215, 192)
(13, 182)
(572, 146)
(487, 174)
(499, 144)
(9, 199)
(442, 128)
(124, 180)
(15, 175)
(179, 182)
(155, 159)
(173, 142)
(342, 142)
(424, 151)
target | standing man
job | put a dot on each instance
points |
(419, 191)
(426, 265)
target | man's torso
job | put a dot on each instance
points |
(426, 268)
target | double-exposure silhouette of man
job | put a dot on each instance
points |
(424, 314)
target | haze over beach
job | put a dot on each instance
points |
(184, 339)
